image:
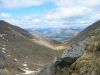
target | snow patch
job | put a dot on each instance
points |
(26, 68)
(24, 64)
(3, 48)
(29, 72)
(15, 59)
(1, 35)
(17, 74)
(3, 51)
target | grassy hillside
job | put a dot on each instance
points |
(89, 62)
(83, 56)
(16, 43)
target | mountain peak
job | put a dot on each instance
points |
(5, 26)
(2, 21)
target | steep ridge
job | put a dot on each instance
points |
(83, 34)
(16, 44)
(82, 58)
(6, 26)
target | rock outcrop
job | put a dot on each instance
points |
(83, 56)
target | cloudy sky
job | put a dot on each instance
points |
(50, 13)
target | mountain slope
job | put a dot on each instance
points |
(83, 34)
(53, 44)
(8, 66)
(89, 62)
(16, 43)
(83, 56)
(6, 26)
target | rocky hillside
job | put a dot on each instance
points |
(17, 45)
(8, 66)
(81, 58)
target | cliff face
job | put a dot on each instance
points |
(83, 56)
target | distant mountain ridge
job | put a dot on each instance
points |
(58, 34)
